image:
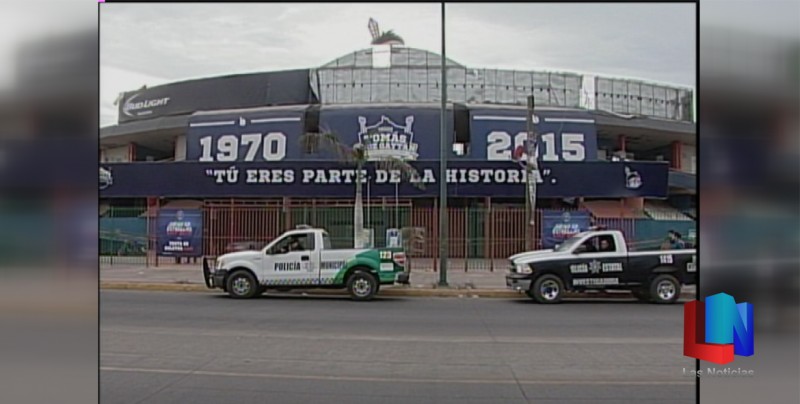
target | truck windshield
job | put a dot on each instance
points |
(326, 241)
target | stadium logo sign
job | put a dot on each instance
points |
(632, 179)
(106, 180)
(134, 108)
(386, 139)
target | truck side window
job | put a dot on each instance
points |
(599, 244)
(281, 247)
(607, 244)
(297, 242)
(590, 245)
(307, 242)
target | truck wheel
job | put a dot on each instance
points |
(641, 294)
(665, 289)
(242, 285)
(547, 289)
(362, 285)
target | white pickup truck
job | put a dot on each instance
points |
(601, 260)
(303, 258)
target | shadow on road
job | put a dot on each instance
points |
(593, 301)
(312, 297)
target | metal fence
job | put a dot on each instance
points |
(480, 238)
(124, 236)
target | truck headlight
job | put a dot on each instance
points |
(524, 269)
(220, 264)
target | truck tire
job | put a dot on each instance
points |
(242, 285)
(665, 289)
(641, 294)
(362, 285)
(547, 289)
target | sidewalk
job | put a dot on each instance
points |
(192, 275)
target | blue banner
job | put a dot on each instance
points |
(411, 133)
(498, 134)
(258, 135)
(558, 226)
(180, 232)
(273, 134)
(328, 179)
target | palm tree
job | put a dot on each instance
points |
(357, 155)
(388, 37)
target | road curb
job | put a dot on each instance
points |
(389, 291)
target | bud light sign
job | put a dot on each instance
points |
(558, 226)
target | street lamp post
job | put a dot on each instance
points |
(443, 168)
(532, 168)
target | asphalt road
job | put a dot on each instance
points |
(159, 347)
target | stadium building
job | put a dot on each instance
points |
(612, 150)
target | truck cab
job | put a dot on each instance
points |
(303, 258)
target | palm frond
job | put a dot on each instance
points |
(386, 37)
(313, 142)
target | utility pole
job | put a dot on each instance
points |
(443, 169)
(532, 168)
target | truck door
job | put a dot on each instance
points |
(598, 262)
(331, 261)
(293, 260)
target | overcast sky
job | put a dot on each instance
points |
(159, 43)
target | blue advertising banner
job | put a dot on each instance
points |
(558, 226)
(411, 133)
(261, 135)
(180, 232)
(273, 134)
(328, 179)
(498, 134)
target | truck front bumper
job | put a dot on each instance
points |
(214, 278)
(218, 278)
(518, 282)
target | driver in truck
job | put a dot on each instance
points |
(294, 244)
(605, 245)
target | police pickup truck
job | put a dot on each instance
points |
(598, 260)
(301, 259)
